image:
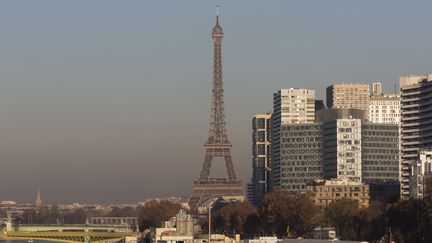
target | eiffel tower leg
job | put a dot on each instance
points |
(229, 166)
(205, 171)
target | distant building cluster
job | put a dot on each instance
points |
(363, 144)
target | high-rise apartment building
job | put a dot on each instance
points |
(376, 88)
(421, 171)
(384, 108)
(416, 122)
(348, 96)
(290, 106)
(294, 106)
(261, 156)
(342, 149)
(380, 153)
(300, 161)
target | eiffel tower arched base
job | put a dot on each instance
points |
(206, 192)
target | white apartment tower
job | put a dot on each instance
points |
(290, 106)
(294, 106)
(376, 88)
(421, 171)
(342, 150)
(384, 108)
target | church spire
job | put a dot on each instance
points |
(38, 201)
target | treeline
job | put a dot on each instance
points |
(154, 213)
(295, 215)
(52, 215)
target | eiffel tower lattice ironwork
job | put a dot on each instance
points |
(207, 189)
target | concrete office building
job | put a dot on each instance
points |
(300, 160)
(380, 152)
(354, 146)
(421, 171)
(348, 96)
(290, 106)
(261, 157)
(416, 122)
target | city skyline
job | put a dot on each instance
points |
(104, 97)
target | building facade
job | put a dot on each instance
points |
(348, 96)
(342, 150)
(301, 159)
(416, 122)
(376, 88)
(331, 190)
(384, 108)
(337, 146)
(290, 106)
(261, 157)
(294, 106)
(380, 153)
(421, 171)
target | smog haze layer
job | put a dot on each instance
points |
(109, 101)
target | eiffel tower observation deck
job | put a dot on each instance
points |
(206, 189)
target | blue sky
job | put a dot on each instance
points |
(109, 100)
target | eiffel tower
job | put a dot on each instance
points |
(207, 189)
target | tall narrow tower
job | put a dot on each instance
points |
(207, 189)
(38, 201)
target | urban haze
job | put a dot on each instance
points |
(109, 101)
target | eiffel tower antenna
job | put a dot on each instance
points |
(207, 189)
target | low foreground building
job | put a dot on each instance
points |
(324, 192)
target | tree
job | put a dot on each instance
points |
(427, 197)
(372, 227)
(343, 214)
(29, 216)
(235, 218)
(54, 215)
(123, 212)
(288, 214)
(3, 213)
(78, 216)
(409, 221)
(155, 212)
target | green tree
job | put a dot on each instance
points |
(153, 213)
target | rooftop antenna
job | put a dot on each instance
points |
(217, 13)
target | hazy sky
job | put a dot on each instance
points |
(109, 101)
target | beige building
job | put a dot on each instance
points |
(294, 106)
(348, 95)
(328, 191)
(384, 108)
